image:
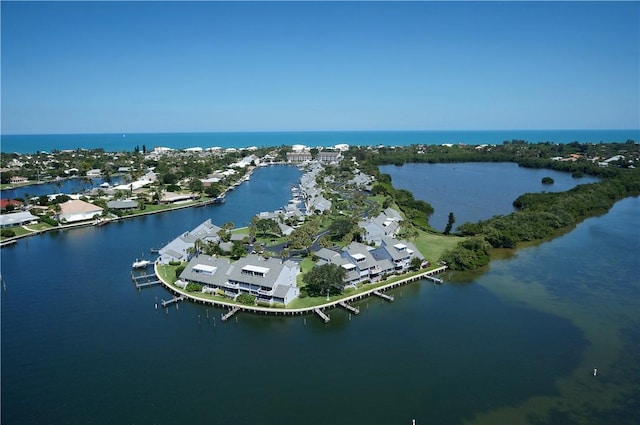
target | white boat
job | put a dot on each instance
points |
(141, 264)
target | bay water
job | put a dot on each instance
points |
(516, 343)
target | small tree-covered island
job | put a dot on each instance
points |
(347, 232)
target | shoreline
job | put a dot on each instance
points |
(271, 311)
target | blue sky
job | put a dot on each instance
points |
(92, 67)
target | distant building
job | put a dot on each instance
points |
(327, 157)
(96, 172)
(299, 157)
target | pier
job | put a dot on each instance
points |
(384, 296)
(322, 315)
(435, 279)
(145, 280)
(171, 301)
(147, 284)
(231, 312)
(354, 310)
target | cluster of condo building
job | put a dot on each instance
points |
(273, 281)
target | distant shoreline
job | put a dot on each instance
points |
(115, 142)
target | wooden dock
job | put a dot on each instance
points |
(322, 315)
(231, 312)
(384, 296)
(354, 310)
(435, 279)
(171, 301)
(144, 281)
(147, 284)
(137, 277)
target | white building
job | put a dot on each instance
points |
(77, 210)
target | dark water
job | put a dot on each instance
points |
(475, 191)
(68, 186)
(80, 345)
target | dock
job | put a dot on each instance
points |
(145, 280)
(231, 312)
(171, 301)
(146, 284)
(435, 279)
(136, 277)
(8, 243)
(354, 310)
(322, 315)
(384, 296)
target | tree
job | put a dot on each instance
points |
(325, 279)
(238, 250)
(195, 185)
(452, 219)
(547, 180)
(340, 228)
(416, 263)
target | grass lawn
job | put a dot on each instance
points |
(432, 246)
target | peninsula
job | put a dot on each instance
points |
(346, 233)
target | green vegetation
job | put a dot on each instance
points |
(193, 287)
(7, 233)
(246, 299)
(538, 215)
(547, 180)
(327, 279)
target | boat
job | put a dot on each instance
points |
(140, 264)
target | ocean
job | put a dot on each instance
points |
(128, 142)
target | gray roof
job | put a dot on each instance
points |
(217, 278)
(238, 273)
(357, 249)
(122, 205)
(177, 248)
(18, 218)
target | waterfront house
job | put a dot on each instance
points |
(96, 172)
(270, 280)
(17, 219)
(77, 210)
(18, 179)
(12, 204)
(178, 249)
(122, 205)
(171, 197)
(400, 253)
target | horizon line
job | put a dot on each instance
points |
(310, 131)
